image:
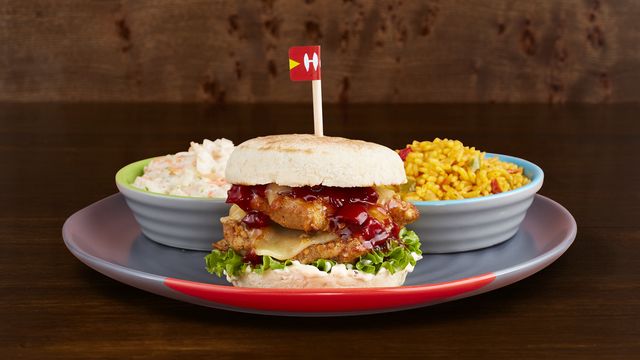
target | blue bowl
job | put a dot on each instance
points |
(448, 226)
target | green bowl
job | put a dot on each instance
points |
(126, 176)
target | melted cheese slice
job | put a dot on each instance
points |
(282, 244)
(278, 242)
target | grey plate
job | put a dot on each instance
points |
(106, 237)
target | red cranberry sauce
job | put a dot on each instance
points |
(242, 196)
(256, 219)
(252, 258)
(335, 196)
(351, 211)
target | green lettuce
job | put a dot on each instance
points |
(219, 262)
(394, 257)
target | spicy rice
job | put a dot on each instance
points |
(448, 170)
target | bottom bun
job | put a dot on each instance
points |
(300, 276)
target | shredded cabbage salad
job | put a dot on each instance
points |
(198, 172)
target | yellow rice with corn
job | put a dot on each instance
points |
(448, 170)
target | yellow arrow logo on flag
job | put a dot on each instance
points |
(293, 63)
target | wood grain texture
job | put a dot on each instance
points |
(373, 51)
(58, 158)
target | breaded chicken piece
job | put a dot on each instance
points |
(238, 238)
(402, 212)
(341, 251)
(291, 213)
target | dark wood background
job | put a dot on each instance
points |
(373, 51)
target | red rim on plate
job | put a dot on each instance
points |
(337, 300)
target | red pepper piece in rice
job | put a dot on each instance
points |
(495, 187)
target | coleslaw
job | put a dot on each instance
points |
(198, 172)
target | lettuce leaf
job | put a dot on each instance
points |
(324, 265)
(219, 262)
(394, 257)
(269, 263)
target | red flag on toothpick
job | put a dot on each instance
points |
(304, 65)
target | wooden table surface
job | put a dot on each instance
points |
(57, 159)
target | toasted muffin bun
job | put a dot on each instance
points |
(299, 160)
(300, 276)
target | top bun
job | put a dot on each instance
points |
(302, 159)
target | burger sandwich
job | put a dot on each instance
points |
(315, 212)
